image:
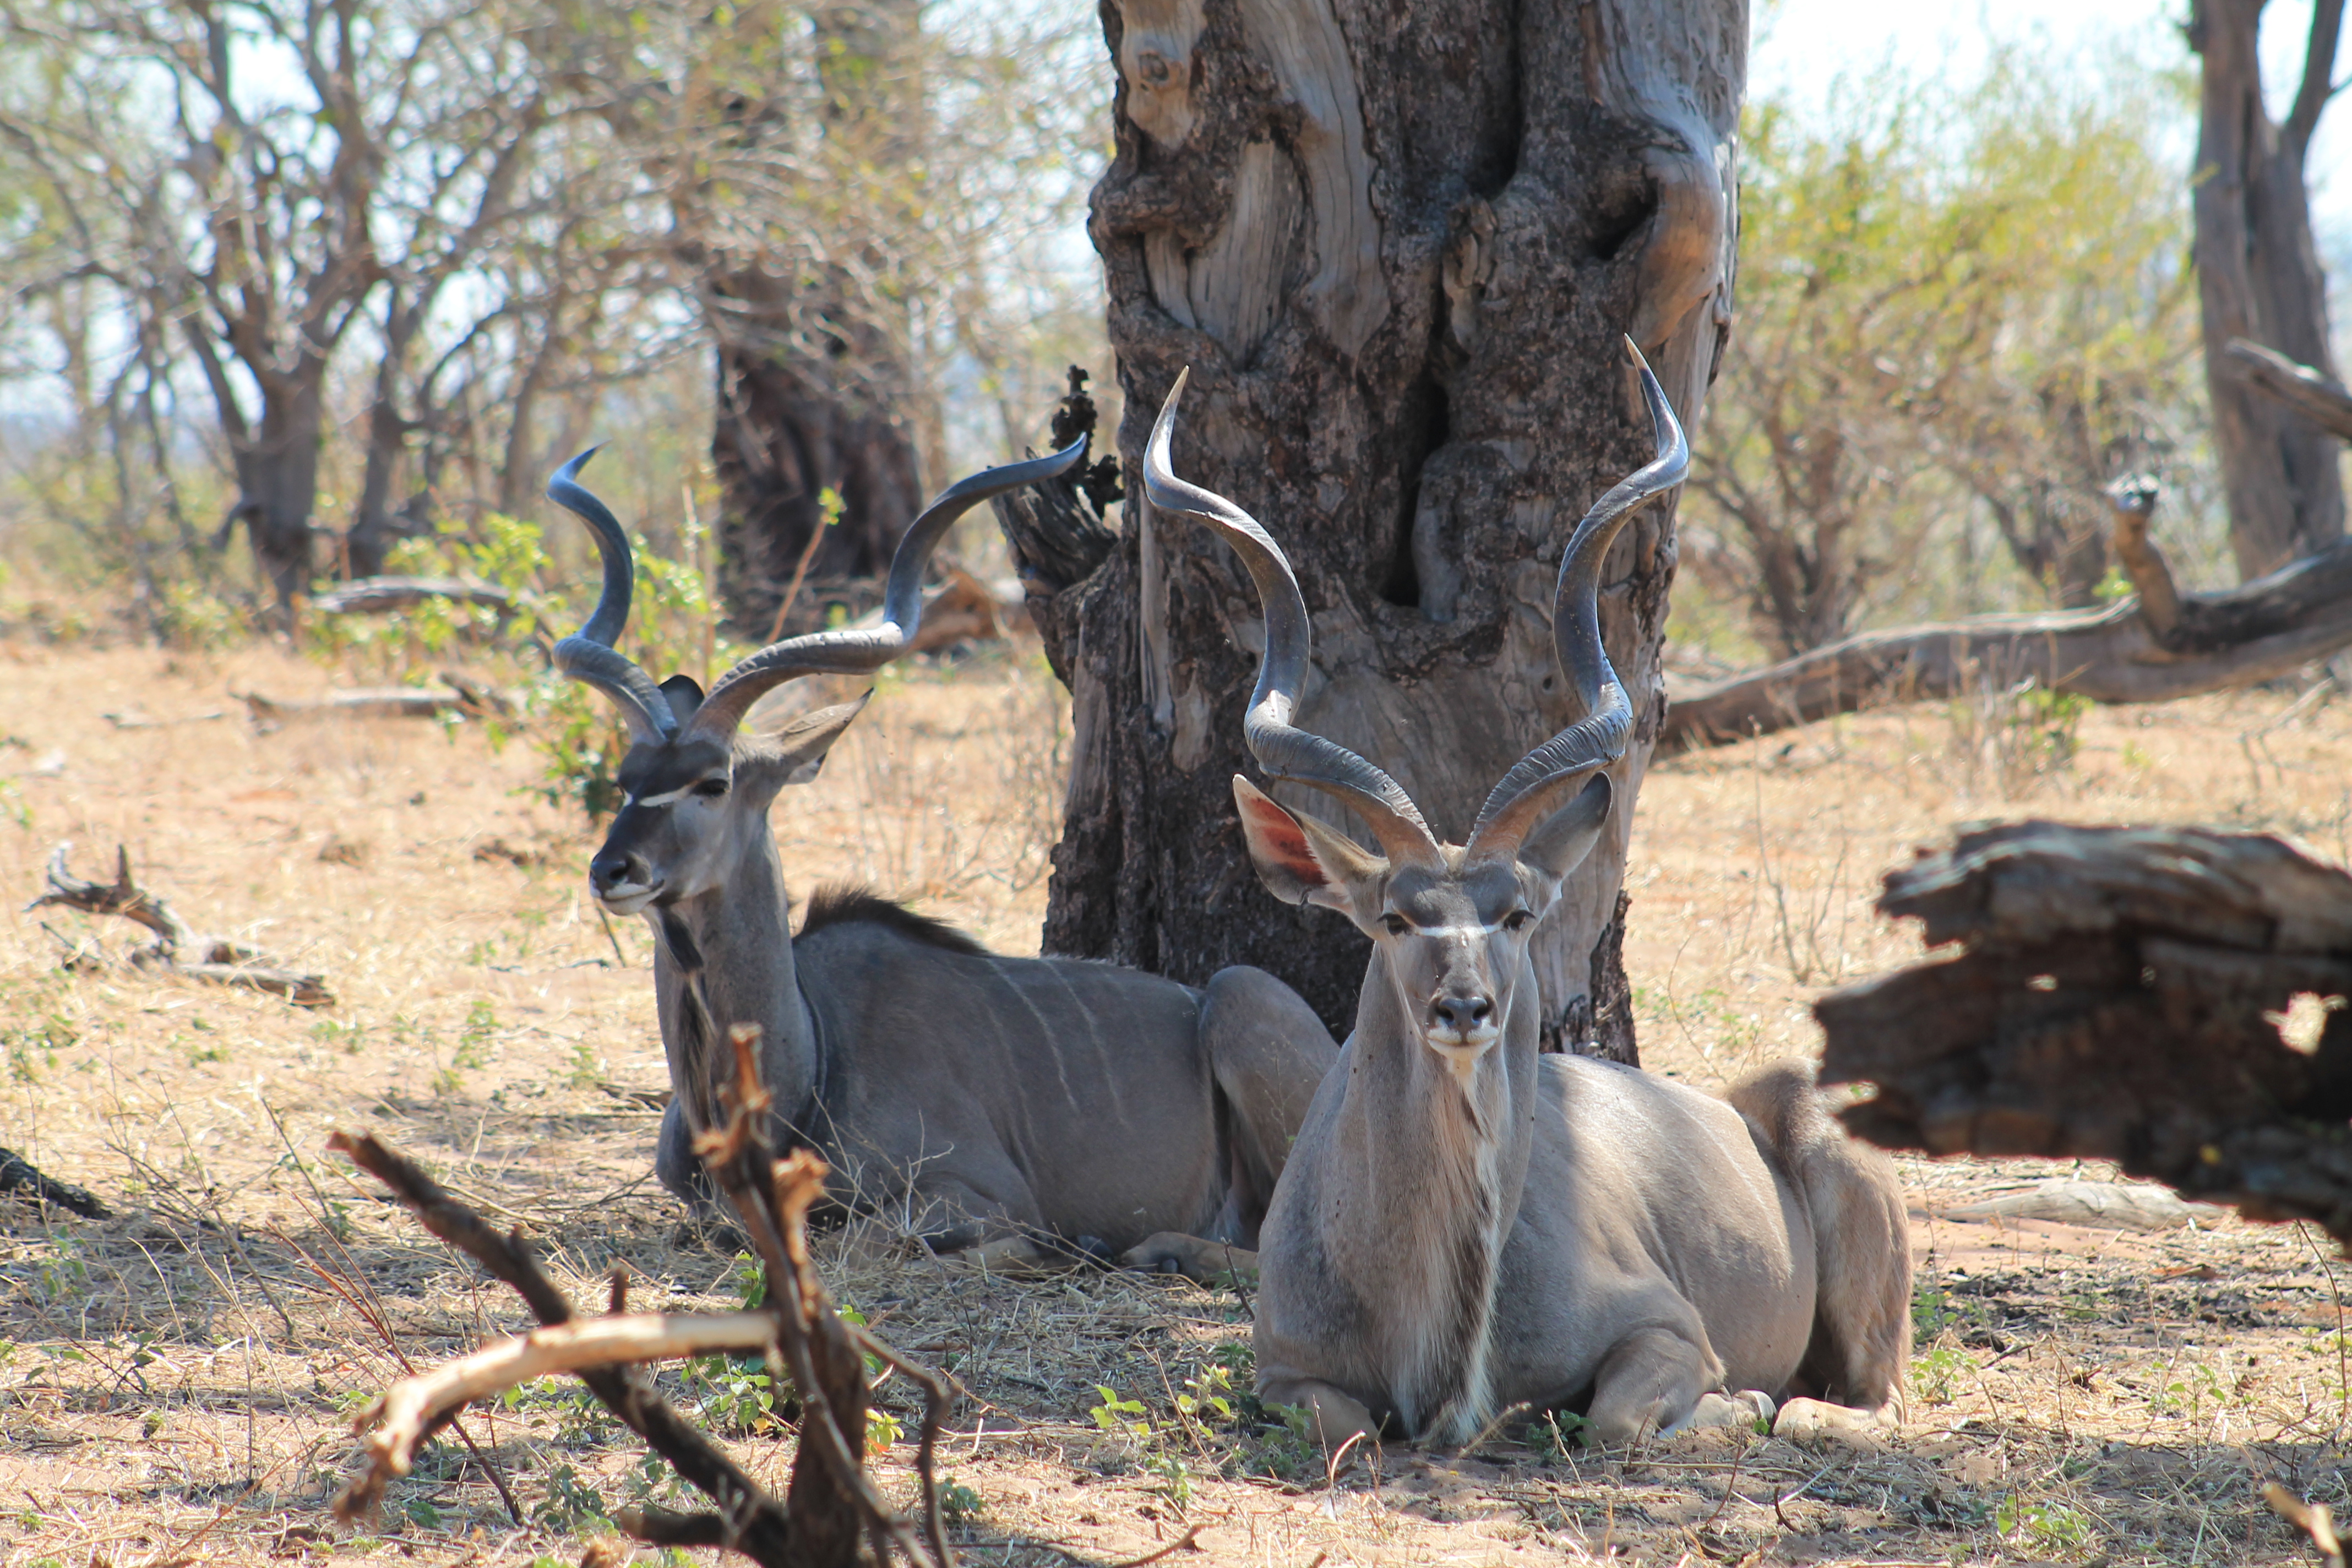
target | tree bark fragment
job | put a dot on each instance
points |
(2113, 997)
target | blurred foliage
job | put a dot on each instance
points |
(1963, 312)
(541, 261)
(573, 731)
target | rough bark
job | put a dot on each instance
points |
(2109, 1002)
(1397, 241)
(2258, 278)
(2269, 627)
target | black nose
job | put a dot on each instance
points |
(613, 867)
(1462, 1013)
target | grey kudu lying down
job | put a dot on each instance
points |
(1031, 1107)
(1465, 1225)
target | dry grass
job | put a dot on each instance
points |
(174, 1382)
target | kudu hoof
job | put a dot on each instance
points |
(1203, 1262)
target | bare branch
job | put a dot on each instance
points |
(759, 1524)
(2319, 69)
(414, 1406)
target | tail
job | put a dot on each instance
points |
(1862, 1306)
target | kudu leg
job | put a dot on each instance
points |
(1267, 1052)
(1334, 1418)
(1860, 1339)
(1649, 1383)
(680, 1170)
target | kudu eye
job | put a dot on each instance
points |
(711, 788)
(1519, 919)
(1398, 925)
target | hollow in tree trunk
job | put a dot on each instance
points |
(2258, 277)
(1399, 242)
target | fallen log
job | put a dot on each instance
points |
(177, 949)
(2115, 995)
(2326, 404)
(18, 1174)
(464, 696)
(383, 596)
(2153, 647)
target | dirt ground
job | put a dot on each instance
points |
(176, 1382)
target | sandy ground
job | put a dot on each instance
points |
(175, 1383)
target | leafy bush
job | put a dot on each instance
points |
(578, 738)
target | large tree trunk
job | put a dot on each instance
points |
(2258, 277)
(792, 427)
(1398, 241)
(813, 379)
(277, 485)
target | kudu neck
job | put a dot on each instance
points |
(1433, 1163)
(741, 935)
(1403, 1082)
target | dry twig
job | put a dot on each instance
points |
(2311, 1518)
(831, 1508)
(177, 949)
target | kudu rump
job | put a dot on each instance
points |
(979, 1100)
(1465, 1225)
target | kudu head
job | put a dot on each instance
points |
(696, 789)
(1450, 922)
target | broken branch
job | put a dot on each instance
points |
(2326, 404)
(177, 949)
(760, 1528)
(18, 1174)
(414, 1406)
(2269, 627)
(832, 1510)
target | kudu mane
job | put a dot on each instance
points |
(850, 903)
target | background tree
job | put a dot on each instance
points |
(1961, 313)
(287, 166)
(843, 192)
(1398, 245)
(2258, 277)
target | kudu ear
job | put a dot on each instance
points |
(1300, 860)
(684, 696)
(1562, 840)
(801, 745)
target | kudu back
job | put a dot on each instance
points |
(1466, 1225)
(1038, 1105)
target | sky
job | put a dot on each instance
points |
(1800, 47)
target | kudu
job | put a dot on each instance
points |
(1035, 1105)
(1465, 1225)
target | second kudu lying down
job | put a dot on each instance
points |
(1033, 1105)
(1465, 1225)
